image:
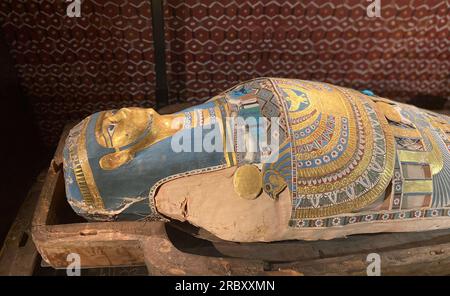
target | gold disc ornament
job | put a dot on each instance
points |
(247, 181)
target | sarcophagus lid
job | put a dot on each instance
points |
(269, 159)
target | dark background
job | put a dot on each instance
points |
(56, 69)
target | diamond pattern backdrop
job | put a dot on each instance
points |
(71, 67)
(213, 45)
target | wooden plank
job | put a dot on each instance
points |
(18, 255)
(98, 244)
(357, 244)
(429, 260)
(162, 258)
(58, 156)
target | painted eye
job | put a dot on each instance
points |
(268, 187)
(111, 128)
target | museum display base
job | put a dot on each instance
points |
(180, 249)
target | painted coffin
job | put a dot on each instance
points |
(341, 156)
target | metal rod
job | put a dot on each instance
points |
(161, 88)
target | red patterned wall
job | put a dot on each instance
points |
(215, 44)
(71, 67)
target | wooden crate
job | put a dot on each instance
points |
(177, 248)
(18, 255)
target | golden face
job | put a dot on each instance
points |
(116, 129)
(130, 130)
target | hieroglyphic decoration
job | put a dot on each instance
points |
(76, 143)
(411, 144)
(338, 154)
(278, 174)
(420, 183)
(441, 135)
(372, 217)
(352, 162)
(397, 182)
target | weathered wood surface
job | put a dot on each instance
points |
(18, 255)
(162, 258)
(427, 260)
(103, 244)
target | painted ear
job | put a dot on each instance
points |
(114, 160)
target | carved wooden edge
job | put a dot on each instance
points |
(18, 255)
(58, 156)
(98, 244)
(290, 251)
(428, 260)
(42, 213)
(163, 258)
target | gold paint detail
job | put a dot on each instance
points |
(334, 103)
(206, 117)
(366, 198)
(136, 128)
(418, 186)
(332, 142)
(348, 154)
(116, 129)
(405, 132)
(433, 157)
(279, 184)
(390, 111)
(82, 170)
(337, 101)
(101, 138)
(313, 136)
(229, 148)
(220, 122)
(274, 183)
(247, 181)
